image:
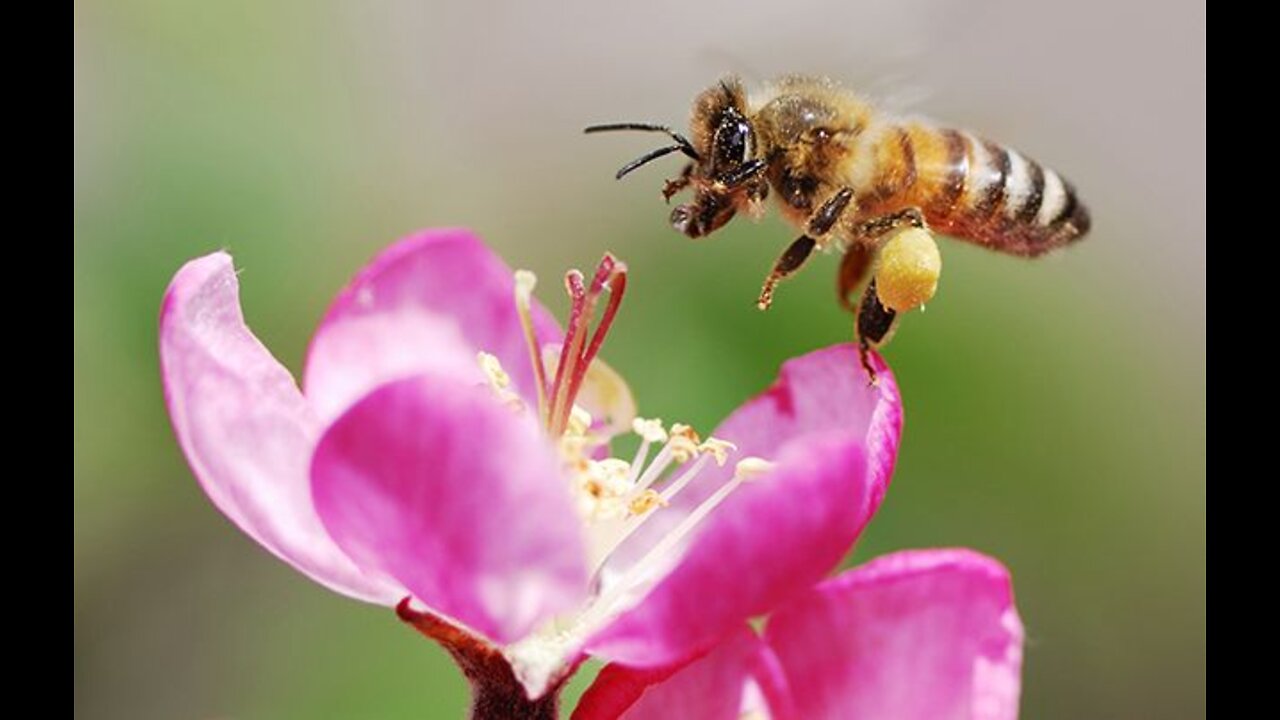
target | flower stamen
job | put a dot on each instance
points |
(650, 431)
(525, 283)
(662, 551)
(646, 501)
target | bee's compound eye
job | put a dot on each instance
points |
(682, 220)
(732, 143)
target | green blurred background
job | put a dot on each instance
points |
(1055, 409)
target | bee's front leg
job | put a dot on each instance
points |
(677, 184)
(816, 230)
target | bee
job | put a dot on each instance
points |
(862, 182)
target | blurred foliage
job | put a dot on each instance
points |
(1055, 409)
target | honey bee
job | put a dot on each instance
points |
(862, 182)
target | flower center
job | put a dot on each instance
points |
(615, 497)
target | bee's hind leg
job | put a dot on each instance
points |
(854, 265)
(873, 322)
(875, 325)
(791, 260)
(880, 227)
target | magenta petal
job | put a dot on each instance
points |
(710, 687)
(459, 498)
(922, 634)
(245, 429)
(835, 441)
(428, 303)
(823, 392)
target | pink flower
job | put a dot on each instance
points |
(927, 634)
(451, 446)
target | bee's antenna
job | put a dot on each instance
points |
(682, 143)
(646, 158)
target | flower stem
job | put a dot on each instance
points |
(496, 693)
(493, 703)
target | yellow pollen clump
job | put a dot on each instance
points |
(908, 270)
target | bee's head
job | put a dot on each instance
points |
(724, 170)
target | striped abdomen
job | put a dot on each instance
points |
(970, 188)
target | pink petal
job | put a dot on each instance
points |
(835, 441)
(426, 304)
(930, 634)
(712, 686)
(246, 430)
(457, 497)
(815, 394)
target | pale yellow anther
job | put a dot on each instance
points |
(526, 281)
(752, 468)
(650, 429)
(579, 422)
(614, 472)
(682, 448)
(499, 381)
(492, 367)
(684, 442)
(646, 501)
(685, 431)
(908, 270)
(604, 488)
(574, 449)
(719, 449)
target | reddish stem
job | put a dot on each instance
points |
(495, 691)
